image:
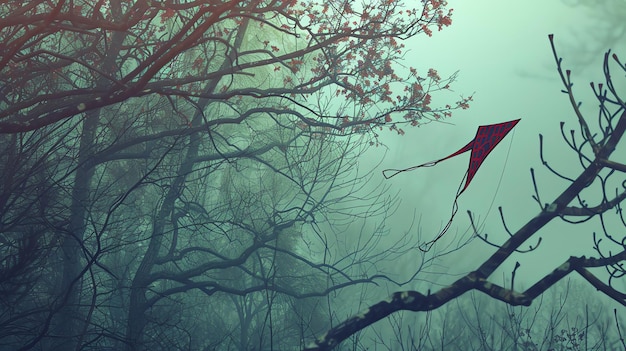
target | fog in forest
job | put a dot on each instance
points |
(208, 175)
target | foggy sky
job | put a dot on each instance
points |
(504, 57)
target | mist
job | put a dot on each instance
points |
(208, 175)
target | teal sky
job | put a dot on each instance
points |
(502, 51)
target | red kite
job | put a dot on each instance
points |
(486, 139)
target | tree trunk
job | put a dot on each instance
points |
(71, 322)
(137, 319)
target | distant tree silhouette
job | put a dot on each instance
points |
(567, 317)
(606, 29)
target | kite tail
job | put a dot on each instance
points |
(425, 247)
(395, 172)
(427, 164)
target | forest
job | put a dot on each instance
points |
(190, 175)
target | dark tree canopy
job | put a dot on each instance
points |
(178, 174)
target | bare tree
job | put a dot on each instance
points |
(575, 204)
(155, 148)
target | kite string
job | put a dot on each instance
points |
(506, 160)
